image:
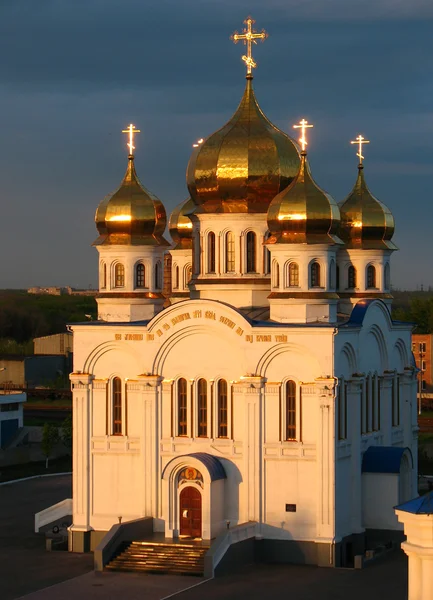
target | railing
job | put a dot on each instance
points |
(121, 532)
(53, 513)
(222, 543)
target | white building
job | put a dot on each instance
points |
(275, 388)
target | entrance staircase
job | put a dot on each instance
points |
(155, 557)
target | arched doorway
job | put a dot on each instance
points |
(190, 512)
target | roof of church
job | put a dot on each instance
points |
(423, 505)
(212, 464)
(382, 459)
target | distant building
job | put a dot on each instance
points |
(59, 343)
(422, 350)
(61, 291)
(33, 371)
(11, 414)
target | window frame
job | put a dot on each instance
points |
(315, 274)
(251, 252)
(352, 277)
(117, 406)
(119, 275)
(222, 404)
(202, 408)
(293, 278)
(290, 426)
(182, 408)
(211, 253)
(140, 275)
(229, 252)
(371, 278)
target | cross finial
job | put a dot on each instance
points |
(360, 140)
(249, 37)
(131, 130)
(303, 125)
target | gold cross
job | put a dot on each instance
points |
(131, 130)
(249, 37)
(303, 125)
(360, 141)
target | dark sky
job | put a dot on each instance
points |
(74, 73)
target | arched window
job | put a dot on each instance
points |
(176, 277)
(290, 410)
(202, 407)
(293, 274)
(276, 274)
(182, 407)
(104, 276)
(315, 274)
(139, 276)
(251, 252)
(351, 277)
(332, 274)
(230, 252)
(266, 256)
(157, 273)
(222, 409)
(117, 406)
(387, 277)
(187, 275)
(211, 252)
(371, 276)
(337, 277)
(119, 275)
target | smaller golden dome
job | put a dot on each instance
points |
(303, 213)
(132, 215)
(365, 221)
(180, 225)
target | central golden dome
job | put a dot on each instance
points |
(244, 165)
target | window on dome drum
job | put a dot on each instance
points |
(119, 275)
(104, 276)
(176, 278)
(387, 277)
(230, 252)
(276, 274)
(117, 406)
(211, 252)
(157, 273)
(337, 277)
(251, 252)
(202, 407)
(222, 409)
(290, 410)
(182, 407)
(371, 276)
(342, 410)
(187, 275)
(139, 276)
(293, 275)
(315, 274)
(332, 274)
(351, 277)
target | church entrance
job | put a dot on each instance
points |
(190, 512)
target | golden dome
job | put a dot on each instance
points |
(132, 215)
(241, 167)
(365, 221)
(303, 213)
(180, 225)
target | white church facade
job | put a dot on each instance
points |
(272, 387)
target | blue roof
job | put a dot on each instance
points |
(212, 464)
(383, 459)
(423, 505)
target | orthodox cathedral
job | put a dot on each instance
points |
(269, 393)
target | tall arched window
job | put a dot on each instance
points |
(387, 277)
(119, 275)
(222, 409)
(187, 275)
(251, 252)
(157, 273)
(104, 276)
(267, 256)
(290, 410)
(176, 277)
(293, 274)
(202, 407)
(230, 252)
(182, 407)
(117, 406)
(351, 277)
(332, 274)
(337, 277)
(139, 276)
(211, 252)
(276, 274)
(315, 274)
(371, 276)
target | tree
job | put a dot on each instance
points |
(50, 437)
(67, 432)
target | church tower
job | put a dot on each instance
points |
(367, 227)
(303, 222)
(131, 247)
(232, 177)
(180, 228)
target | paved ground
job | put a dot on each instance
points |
(26, 569)
(25, 566)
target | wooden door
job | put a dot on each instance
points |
(190, 512)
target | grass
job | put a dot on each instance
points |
(58, 465)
